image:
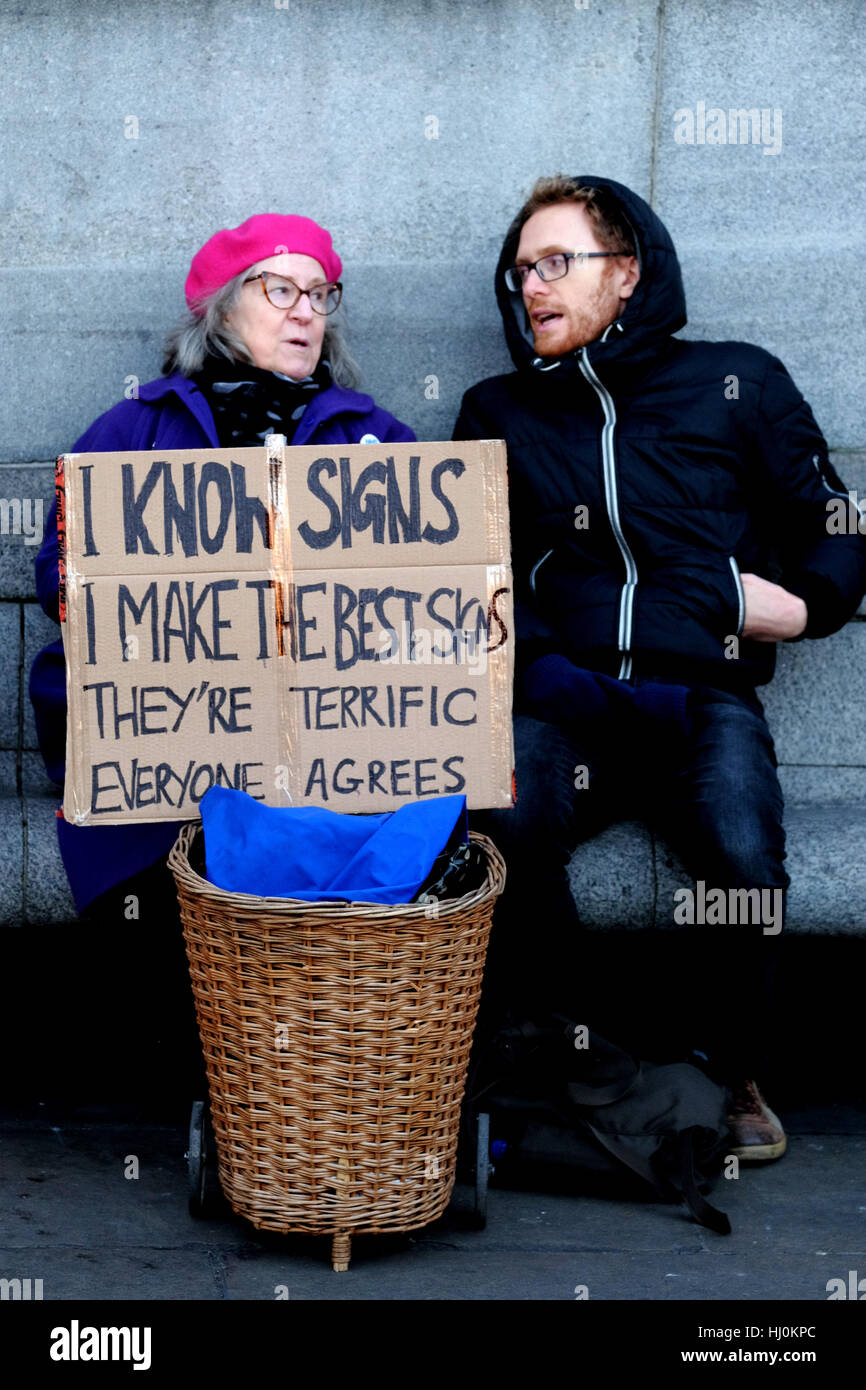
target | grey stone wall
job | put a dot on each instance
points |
(411, 128)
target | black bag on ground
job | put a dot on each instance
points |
(562, 1098)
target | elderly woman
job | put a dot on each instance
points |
(259, 352)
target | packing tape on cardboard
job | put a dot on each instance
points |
(282, 578)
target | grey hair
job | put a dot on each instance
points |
(195, 335)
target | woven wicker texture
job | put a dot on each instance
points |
(336, 1041)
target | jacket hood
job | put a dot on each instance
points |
(655, 310)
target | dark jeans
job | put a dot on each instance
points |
(714, 796)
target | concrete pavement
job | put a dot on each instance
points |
(72, 1218)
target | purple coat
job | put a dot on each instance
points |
(170, 413)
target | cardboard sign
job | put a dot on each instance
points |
(323, 626)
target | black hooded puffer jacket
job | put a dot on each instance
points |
(695, 461)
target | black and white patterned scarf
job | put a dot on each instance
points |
(249, 403)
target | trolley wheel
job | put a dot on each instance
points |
(482, 1170)
(201, 1161)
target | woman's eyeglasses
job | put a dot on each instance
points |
(284, 293)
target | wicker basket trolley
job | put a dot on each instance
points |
(336, 1041)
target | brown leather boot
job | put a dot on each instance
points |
(758, 1133)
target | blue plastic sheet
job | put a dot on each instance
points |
(319, 855)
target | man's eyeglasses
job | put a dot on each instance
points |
(552, 267)
(284, 293)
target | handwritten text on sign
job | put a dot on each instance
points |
(307, 627)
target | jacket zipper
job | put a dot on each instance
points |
(626, 602)
(816, 464)
(536, 567)
(741, 597)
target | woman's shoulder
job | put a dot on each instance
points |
(365, 415)
(129, 423)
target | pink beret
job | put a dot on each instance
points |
(268, 234)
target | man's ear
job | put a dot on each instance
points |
(630, 271)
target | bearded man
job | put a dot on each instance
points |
(669, 527)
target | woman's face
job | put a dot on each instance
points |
(281, 340)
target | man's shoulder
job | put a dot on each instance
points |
(500, 407)
(745, 360)
(501, 400)
(492, 388)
